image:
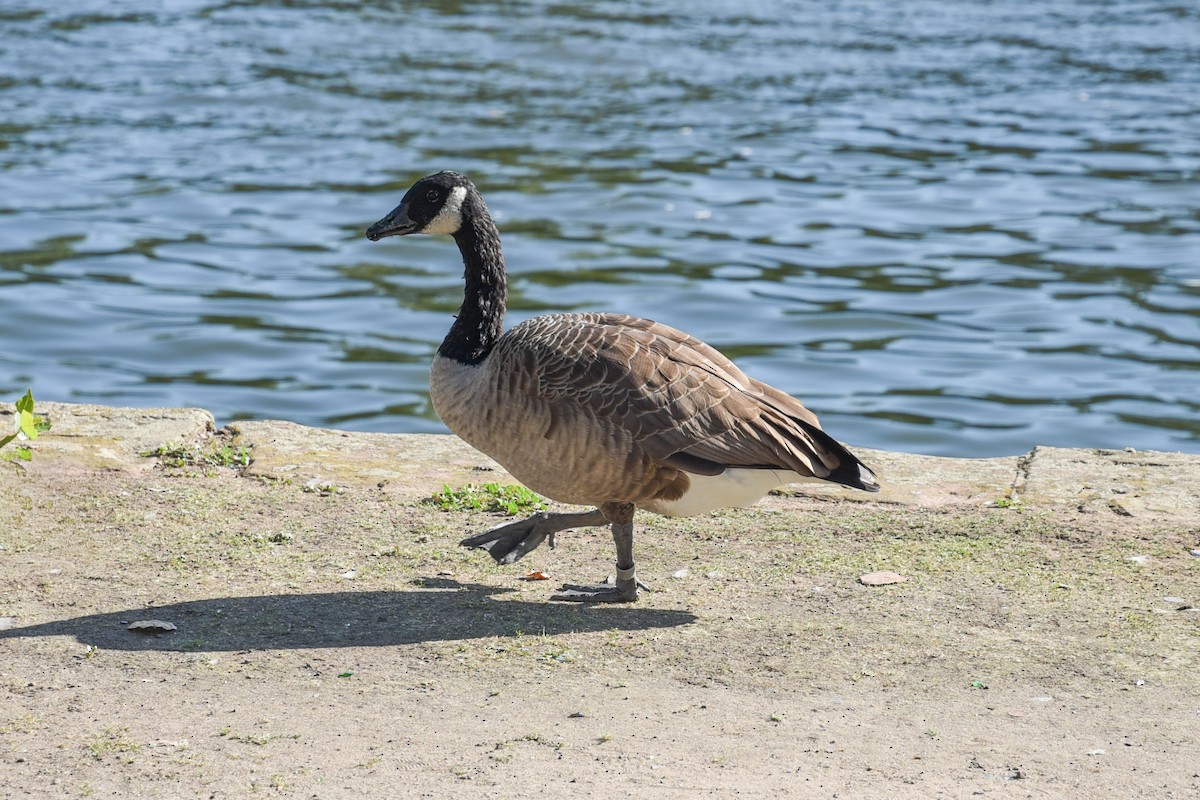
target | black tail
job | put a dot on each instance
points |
(849, 471)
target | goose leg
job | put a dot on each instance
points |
(625, 590)
(512, 541)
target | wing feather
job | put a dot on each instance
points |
(672, 396)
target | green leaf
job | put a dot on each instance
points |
(24, 453)
(29, 424)
(25, 404)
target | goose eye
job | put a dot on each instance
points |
(432, 195)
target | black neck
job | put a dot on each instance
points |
(481, 319)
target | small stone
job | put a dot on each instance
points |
(881, 578)
(1119, 509)
(681, 573)
(7, 623)
(1172, 599)
(1099, 751)
(1195, 551)
(1139, 560)
(150, 626)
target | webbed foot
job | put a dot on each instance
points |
(513, 541)
(597, 593)
(625, 590)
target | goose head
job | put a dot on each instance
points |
(434, 204)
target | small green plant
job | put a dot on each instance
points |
(23, 724)
(25, 426)
(511, 500)
(191, 455)
(537, 738)
(113, 741)
(259, 739)
(323, 488)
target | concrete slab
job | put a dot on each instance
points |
(1120, 482)
(399, 463)
(1127, 483)
(106, 437)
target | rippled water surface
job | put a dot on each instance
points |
(950, 227)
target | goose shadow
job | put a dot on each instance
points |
(442, 610)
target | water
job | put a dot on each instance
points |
(959, 228)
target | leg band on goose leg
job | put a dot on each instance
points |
(626, 588)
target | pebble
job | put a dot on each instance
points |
(7, 623)
(1139, 560)
(881, 578)
(150, 626)
(681, 573)
(1195, 551)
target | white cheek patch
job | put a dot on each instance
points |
(449, 219)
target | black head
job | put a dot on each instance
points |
(433, 205)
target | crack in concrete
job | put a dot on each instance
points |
(1021, 479)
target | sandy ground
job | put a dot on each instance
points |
(333, 644)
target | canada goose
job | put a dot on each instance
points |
(605, 410)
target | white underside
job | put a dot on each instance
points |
(733, 488)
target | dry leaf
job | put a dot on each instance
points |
(150, 626)
(880, 578)
(535, 575)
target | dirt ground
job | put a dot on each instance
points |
(335, 642)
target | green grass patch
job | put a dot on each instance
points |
(492, 497)
(179, 456)
(113, 741)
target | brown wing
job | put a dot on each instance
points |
(678, 399)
